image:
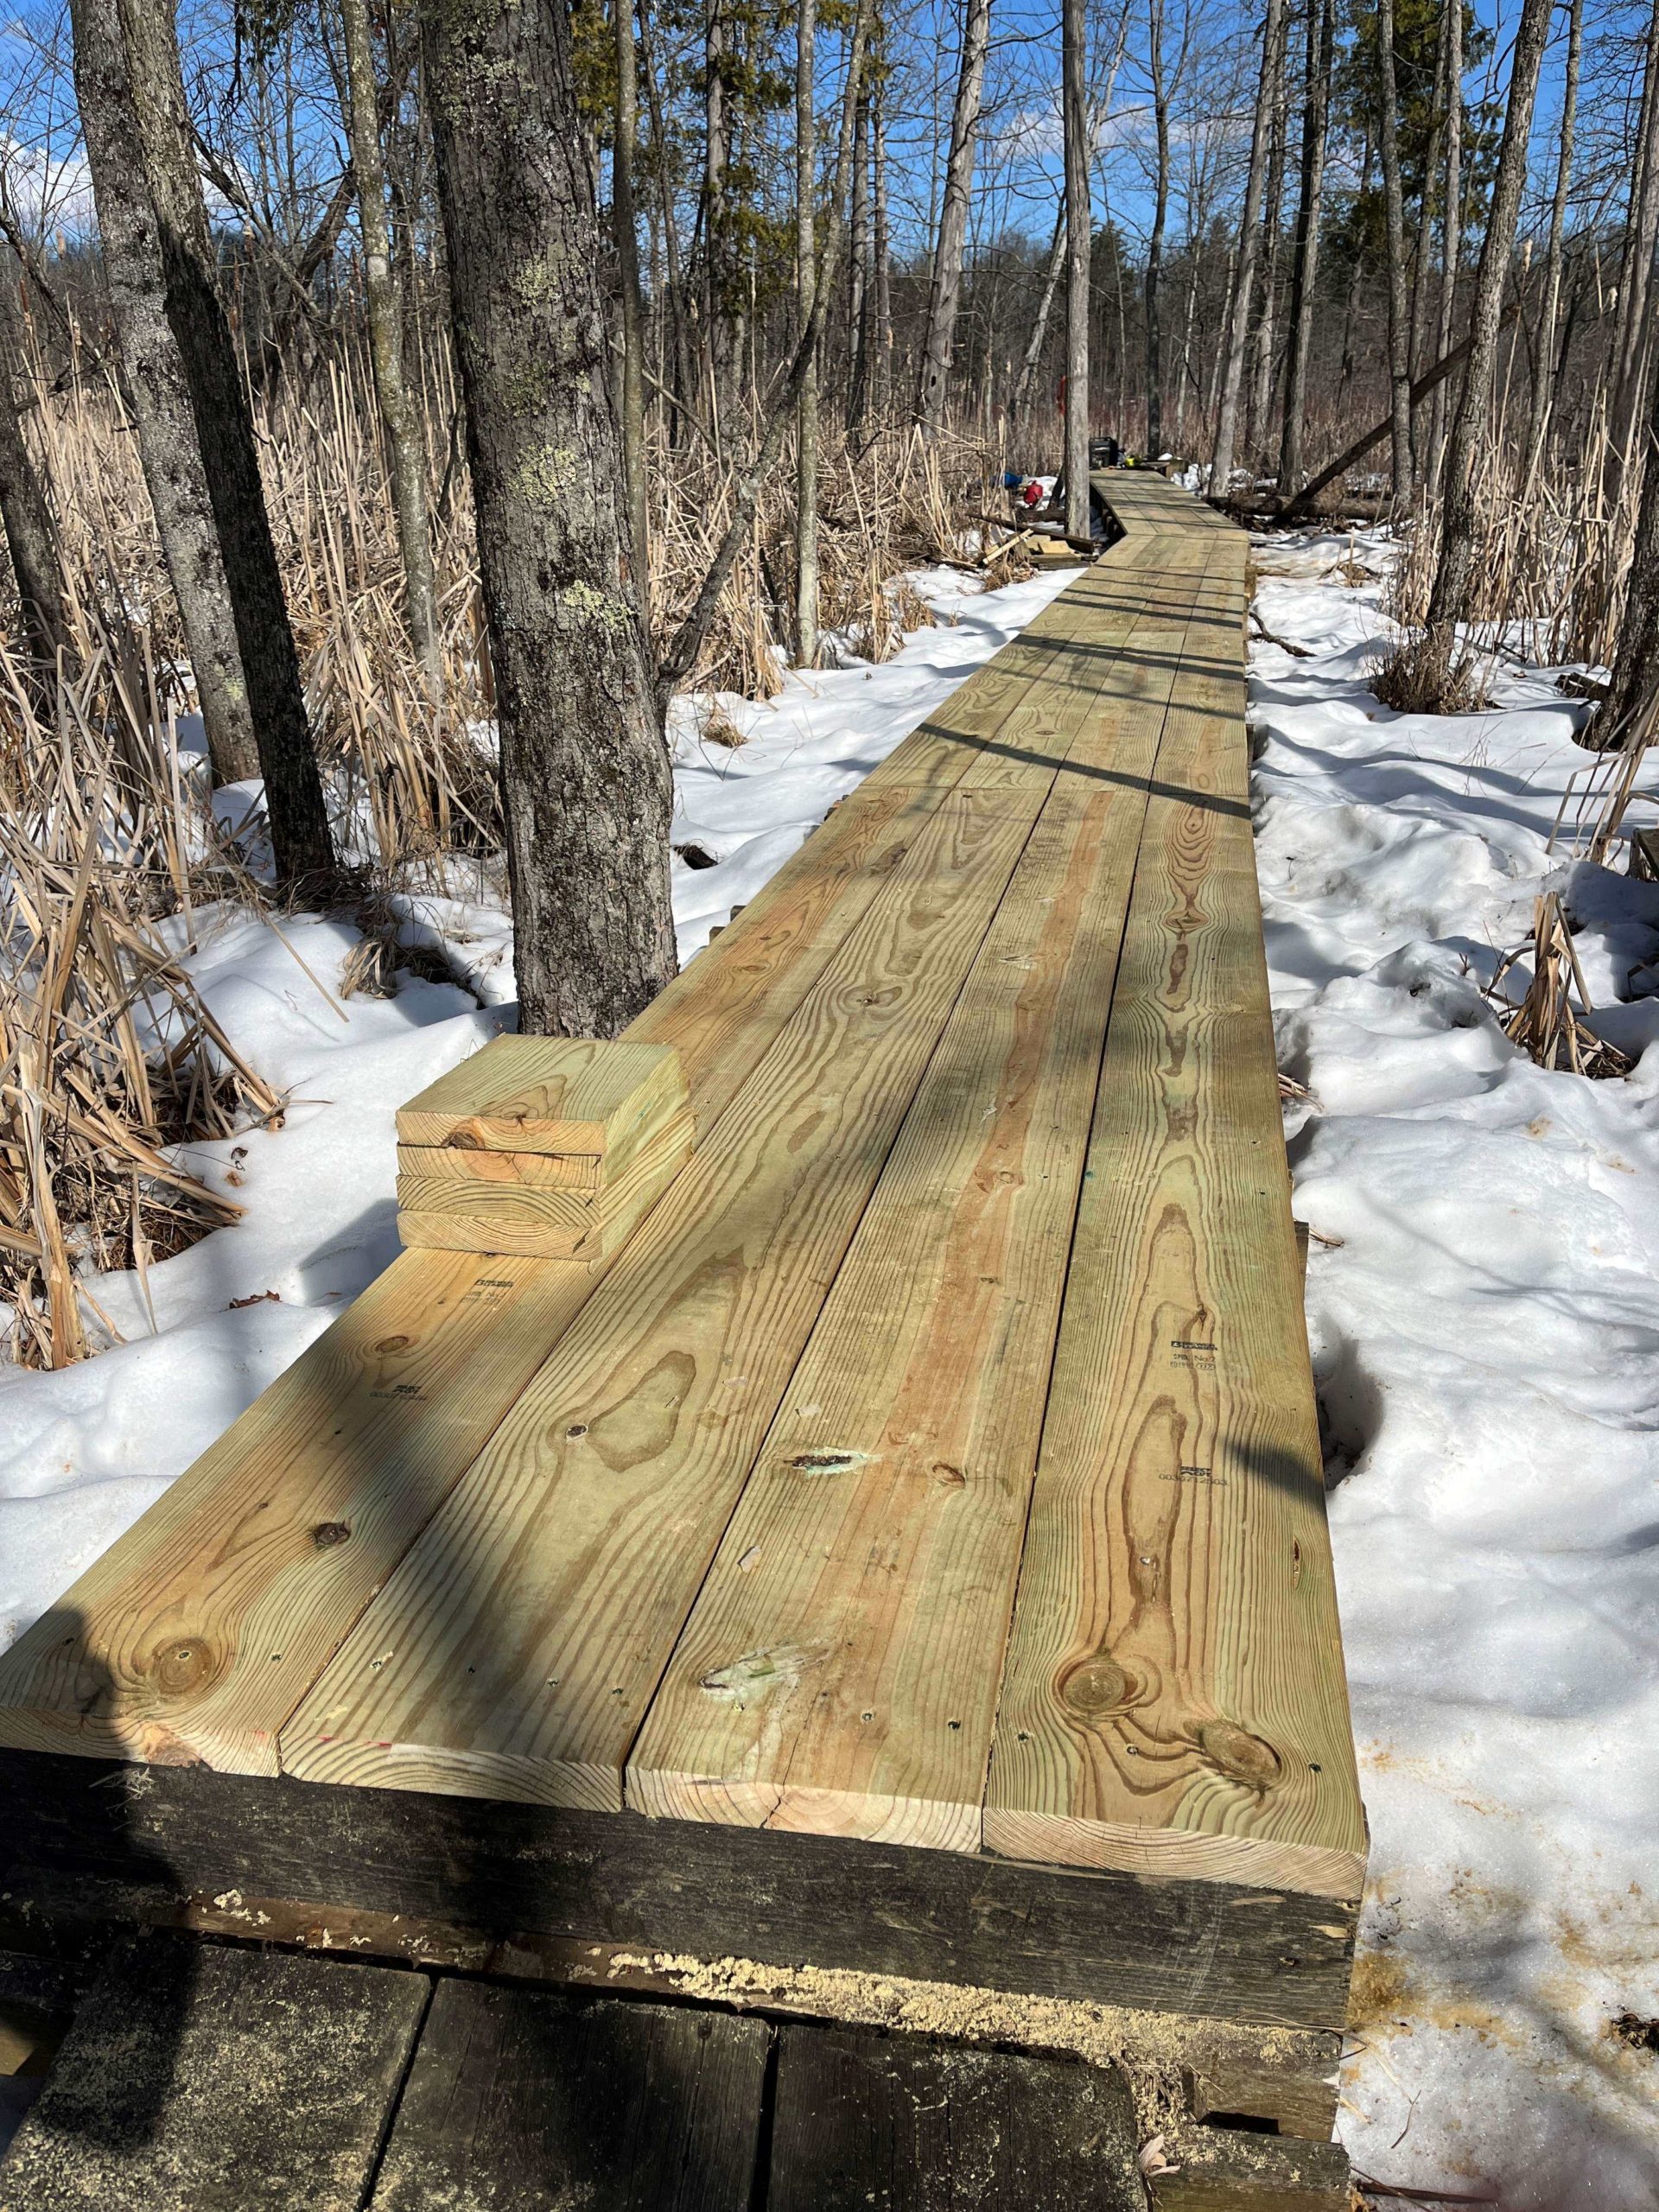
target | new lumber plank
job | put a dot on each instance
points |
(517, 2101)
(547, 1094)
(840, 1670)
(1174, 1698)
(450, 1214)
(535, 1171)
(514, 1649)
(896, 2124)
(197, 1634)
(196, 2079)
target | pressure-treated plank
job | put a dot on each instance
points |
(522, 2103)
(546, 1094)
(896, 2124)
(514, 1649)
(198, 1633)
(450, 1214)
(201, 2080)
(535, 1171)
(840, 1670)
(1174, 1698)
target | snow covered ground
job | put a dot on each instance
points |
(1484, 1316)
(1482, 1299)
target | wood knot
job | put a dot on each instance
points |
(326, 1534)
(1097, 1686)
(1240, 1756)
(181, 1665)
(394, 1344)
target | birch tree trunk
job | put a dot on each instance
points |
(1399, 309)
(585, 773)
(945, 292)
(1249, 241)
(383, 300)
(806, 416)
(1074, 78)
(1316, 114)
(1454, 574)
(196, 436)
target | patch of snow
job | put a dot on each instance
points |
(1483, 1311)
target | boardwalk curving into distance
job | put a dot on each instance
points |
(934, 1465)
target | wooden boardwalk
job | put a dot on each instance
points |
(934, 1467)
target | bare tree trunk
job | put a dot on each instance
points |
(1398, 311)
(945, 293)
(585, 773)
(1074, 80)
(195, 435)
(1451, 231)
(1249, 243)
(1261, 400)
(624, 222)
(382, 298)
(1626, 718)
(1636, 269)
(881, 379)
(1316, 114)
(1454, 574)
(859, 300)
(806, 416)
(716, 285)
(31, 536)
(1155, 241)
(1543, 375)
(1424, 243)
(1037, 337)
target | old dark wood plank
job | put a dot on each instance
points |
(1227, 2170)
(885, 2124)
(198, 2079)
(509, 1872)
(517, 2101)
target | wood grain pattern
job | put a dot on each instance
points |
(535, 1171)
(1175, 1699)
(840, 1670)
(197, 1634)
(514, 1651)
(452, 1214)
(546, 1094)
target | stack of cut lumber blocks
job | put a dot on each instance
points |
(542, 1146)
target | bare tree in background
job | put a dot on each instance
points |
(31, 534)
(625, 225)
(806, 420)
(1395, 223)
(194, 432)
(1454, 574)
(1543, 379)
(383, 300)
(1238, 321)
(1316, 113)
(944, 294)
(584, 770)
(1160, 217)
(1078, 227)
